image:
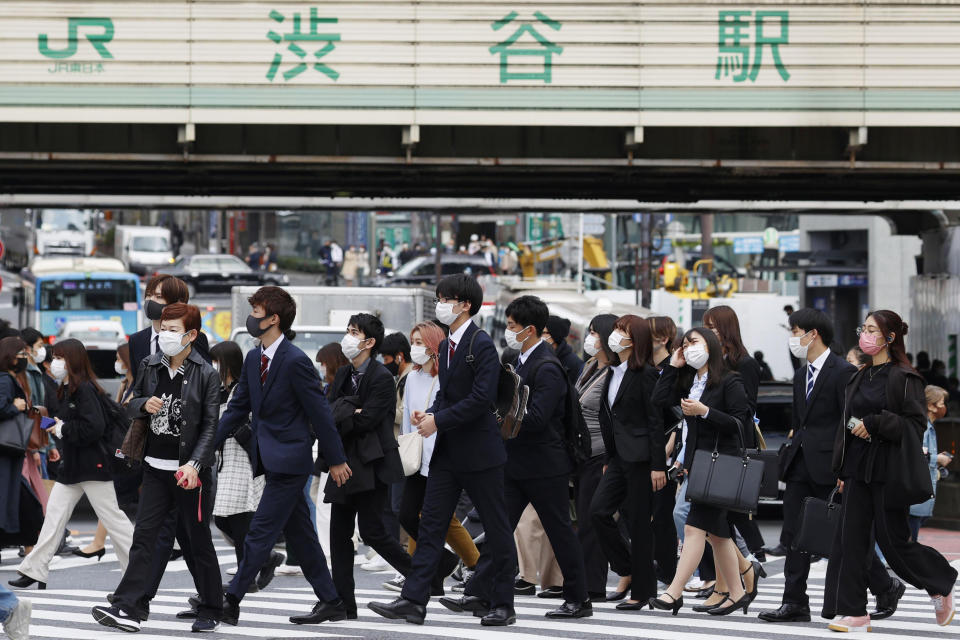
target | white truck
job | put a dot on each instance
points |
(28, 233)
(142, 249)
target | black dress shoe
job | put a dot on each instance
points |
(617, 595)
(523, 588)
(787, 613)
(499, 617)
(630, 606)
(267, 571)
(24, 582)
(777, 551)
(597, 596)
(205, 625)
(551, 592)
(887, 602)
(703, 594)
(323, 612)
(760, 556)
(400, 609)
(231, 610)
(188, 614)
(572, 610)
(466, 603)
(703, 608)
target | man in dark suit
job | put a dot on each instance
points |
(818, 403)
(280, 387)
(468, 455)
(538, 465)
(364, 401)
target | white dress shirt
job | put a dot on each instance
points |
(526, 354)
(616, 377)
(271, 351)
(696, 390)
(817, 366)
(457, 335)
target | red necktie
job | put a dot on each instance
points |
(453, 348)
(264, 363)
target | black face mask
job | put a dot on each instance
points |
(21, 365)
(253, 326)
(393, 368)
(153, 309)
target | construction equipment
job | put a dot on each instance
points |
(533, 253)
(703, 280)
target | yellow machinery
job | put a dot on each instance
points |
(533, 253)
(700, 282)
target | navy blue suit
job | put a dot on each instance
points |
(283, 410)
(468, 455)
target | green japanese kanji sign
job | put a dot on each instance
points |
(296, 36)
(540, 46)
(735, 56)
(98, 40)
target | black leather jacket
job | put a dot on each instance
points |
(201, 404)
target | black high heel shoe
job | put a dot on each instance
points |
(758, 572)
(674, 606)
(24, 582)
(742, 603)
(99, 554)
(703, 608)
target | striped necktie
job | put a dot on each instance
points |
(264, 366)
(811, 371)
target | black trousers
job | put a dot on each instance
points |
(748, 528)
(627, 482)
(235, 526)
(864, 509)
(158, 496)
(493, 580)
(366, 508)
(550, 498)
(665, 532)
(594, 561)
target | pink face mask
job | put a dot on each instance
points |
(870, 344)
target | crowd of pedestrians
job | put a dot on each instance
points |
(411, 432)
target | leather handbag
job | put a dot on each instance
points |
(135, 441)
(726, 481)
(15, 435)
(770, 486)
(818, 525)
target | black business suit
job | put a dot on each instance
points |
(468, 455)
(539, 467)
(375, 462)
(632, 430)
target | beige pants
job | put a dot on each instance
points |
(63, 499)
(534, 553)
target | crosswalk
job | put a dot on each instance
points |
(76, 585)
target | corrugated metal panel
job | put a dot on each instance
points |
(935, 314)
(653, 62)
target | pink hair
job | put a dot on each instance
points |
(432, 335)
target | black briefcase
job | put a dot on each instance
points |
(770, 486)
(818, 525)
(725, 481)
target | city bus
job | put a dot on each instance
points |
(55, 291)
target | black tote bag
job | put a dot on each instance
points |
(818, 525)
(15, 435)
(726, 481)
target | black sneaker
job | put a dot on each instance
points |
(115, 618)
(394, 585)
(204, 625)
(523, 588)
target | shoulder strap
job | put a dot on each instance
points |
(469, 357)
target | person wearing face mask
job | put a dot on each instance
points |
(280, 387)
(555, 334)
(363, 403)
(80, 428)
(590, 388)
(936, 409)
(715, 406)
(884, 405)
(36, 353)
(818, 397)
(633, 434)
(177, 394)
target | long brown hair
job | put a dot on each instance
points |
(9, 348)
(890, 322)
(332, 358)
(79, 369)
(663, 327)
(123, 352)
(725, 321)
(641, 351)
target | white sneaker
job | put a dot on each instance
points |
(288, 570)
(17, 625)
(851, 624)
(694, 584)
(376, 564)
(232, 571)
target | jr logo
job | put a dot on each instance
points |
(98, 40)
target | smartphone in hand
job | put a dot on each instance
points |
(47, 423)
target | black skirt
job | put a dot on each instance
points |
(708, 518)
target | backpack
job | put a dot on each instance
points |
(511, 403)
(575, 433)
(115, 431)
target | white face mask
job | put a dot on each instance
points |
(615, 342)
(216, 366)
(418, 353)
(512, 341)
(119, 368)
(59, 369)
(696, 355)
(798, 350)
(350, 346)
(40, 354)
(590, 346)
(170, 343)
(445, 313)
(322, 370)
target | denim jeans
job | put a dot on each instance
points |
(310, 504)
(8, 602)
(680, 510)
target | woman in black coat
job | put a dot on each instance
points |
(873, 456)
(715, 407)
(12, 402)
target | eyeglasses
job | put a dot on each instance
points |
(874, 331)
(445, 300)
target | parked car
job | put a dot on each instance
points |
(220, 272)
(422, 270)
